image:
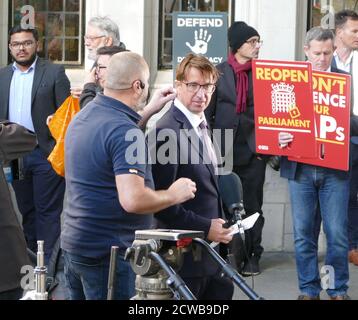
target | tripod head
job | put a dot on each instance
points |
(156, 256)
(155, 253)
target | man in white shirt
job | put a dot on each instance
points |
(346, 59)
(190, 155)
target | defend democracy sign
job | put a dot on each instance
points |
(283, 102)
(331, 97)
(200, 33)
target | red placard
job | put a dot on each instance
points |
(331, 97)
(283, 102)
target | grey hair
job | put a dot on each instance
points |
(108, 26)
(124, 68)
(318, 34)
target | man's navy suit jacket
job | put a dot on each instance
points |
(197, 213)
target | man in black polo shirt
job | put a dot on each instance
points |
(110, 187)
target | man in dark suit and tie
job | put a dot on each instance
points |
(193, 157)
(31, 90)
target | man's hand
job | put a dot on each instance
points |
(76, 92)
(91, 77)
(284, 139)
(49, 119)
(219, 234)
(160, 99)
(182, 190)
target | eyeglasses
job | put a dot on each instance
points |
(90, 38)
(195, 87)
(255, 42)
(99, 68)
(26, 44)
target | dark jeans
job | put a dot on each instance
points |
(253, 178)
(315, 186)
(87, 278)
(40, 200)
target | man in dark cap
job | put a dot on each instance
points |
(232, 107)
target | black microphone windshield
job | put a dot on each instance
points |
(230, 189)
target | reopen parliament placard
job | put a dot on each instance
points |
(283, 103)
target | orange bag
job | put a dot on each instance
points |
(58, 127)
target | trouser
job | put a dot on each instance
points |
(87, 278)
(315, 186)
(252, 178)
(40, 200)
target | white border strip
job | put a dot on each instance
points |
(285, 129)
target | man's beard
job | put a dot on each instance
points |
(148, 97)
(142, 104)
(27, 63)
(92, 54)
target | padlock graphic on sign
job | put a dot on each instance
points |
(294, 112)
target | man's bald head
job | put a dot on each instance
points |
(124, 68)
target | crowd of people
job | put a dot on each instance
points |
(110, 195)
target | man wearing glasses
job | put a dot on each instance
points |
(194, 158)
(94, 83)
(31, 90)
(101, 32)
(232, 107)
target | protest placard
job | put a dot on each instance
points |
(283, 103)
(331, 98)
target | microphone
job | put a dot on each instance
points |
(230, 188)
(231, 192)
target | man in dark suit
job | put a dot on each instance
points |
(15, 141)
(194, 159)
(232, 107)
(31, 90)
(318, 191)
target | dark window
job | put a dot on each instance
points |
(60, 24)
(166, 9)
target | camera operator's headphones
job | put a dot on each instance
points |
(141, 84)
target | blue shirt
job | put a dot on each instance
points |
(96, 150)
(21, 95)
